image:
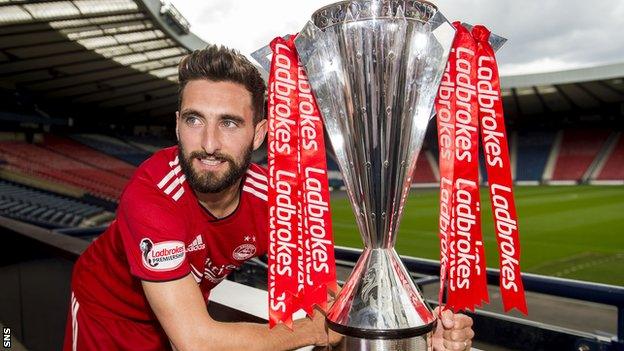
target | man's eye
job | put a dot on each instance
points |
(193, 121)
(229, 123)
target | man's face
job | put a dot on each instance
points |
(216, 134)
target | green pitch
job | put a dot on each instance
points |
(574, 232)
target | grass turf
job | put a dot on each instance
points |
(574, 232)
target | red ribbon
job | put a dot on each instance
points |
(318, 244)
(494, 141)
(445, 108)
(282, 193)
(301, 249)
(469, 101)
(467, 280)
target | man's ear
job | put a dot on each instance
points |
(178, 125)
(260, 133)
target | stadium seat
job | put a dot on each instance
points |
(113, 147)
(613, 169)
(423, 172)
(43, 208)
(579, 148)
(42, 162)
(335, 183)
(331, 164)
(75, 150)
(147, 143)
(533, 150)
(482, 167)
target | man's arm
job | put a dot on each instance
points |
(181, 310)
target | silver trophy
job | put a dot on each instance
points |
(375, 67)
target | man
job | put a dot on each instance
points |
(190, 215)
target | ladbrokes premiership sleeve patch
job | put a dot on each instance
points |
(163, 256)
(153, 231)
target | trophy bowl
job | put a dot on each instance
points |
(375, 67)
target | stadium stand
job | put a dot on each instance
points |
(579, 148)
(15, 175)
(532, 154)
(47, 209)
(75, 150)
(147, 143)
(423, 174)
(114, 147)
(334, 177)
(259, 156)
(36, 160)
(482, 168)
(613, 168)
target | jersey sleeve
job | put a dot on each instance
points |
(153, 233)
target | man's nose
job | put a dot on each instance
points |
(211, 139)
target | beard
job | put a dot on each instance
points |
(211, 182)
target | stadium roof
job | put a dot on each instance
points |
(116, 55)
(120, 56)
(573, 90)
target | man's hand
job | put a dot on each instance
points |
(321, 331)
(453, 332)
(320, 324)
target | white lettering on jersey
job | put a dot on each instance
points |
(197, 244)
(216, 273)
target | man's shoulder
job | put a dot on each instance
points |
(258, 170)
(161, 161)
(161, 175)
(256, 183)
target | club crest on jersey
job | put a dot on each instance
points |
(162, 256)
(244, 251)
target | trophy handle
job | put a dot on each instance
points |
(263, 56)
(496, 41)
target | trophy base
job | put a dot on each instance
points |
(418, 343)
(380, 334)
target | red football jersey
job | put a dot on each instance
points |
(162, 233)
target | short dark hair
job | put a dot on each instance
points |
(218, 63)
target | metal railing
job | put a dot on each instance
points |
(551, 337)
(506, 331)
